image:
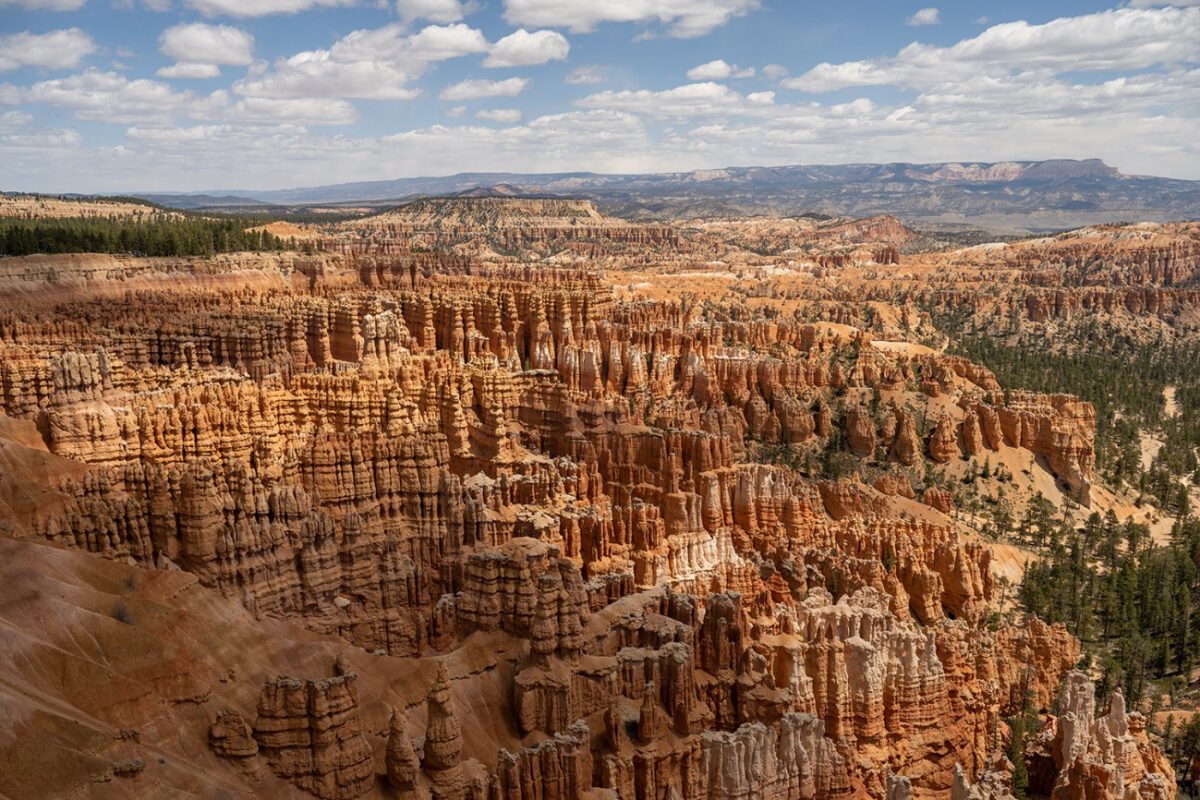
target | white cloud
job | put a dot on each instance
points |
(1109, 40)
(259, 8)
(1015, 91)
(712, 71)
(108, 97)
(373, 64)
(270, 110)
(200, 157)
(189, 71)
(475, 89)
(442, 42)
(684, 18)
(46, 5)
(96, 96)
(317, 74)
(394, 44)
(432, 10)
(54, 50)
(717, 70)
(585, 75)
(49, 142)
(607, 141)
(207, 44)
(499, 114)
(692, 100)
(14, 120)
(1055, 119)
(925, 16)
(522, 49)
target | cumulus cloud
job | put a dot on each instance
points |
(706, 99)
(374, 64)
(189, 71)
(107, 97)
(97, 96)
(46, 5)
(432, 10)
(1109, 40)
(585, 75)
(318, 74)
(54, 50)
(259, 8)
(21, 137)
(207, 44)
(683, 18)
(522, 49)
(717, 70)
(14, 120)
(268, 110)
(499, 114)
(436, 43)
(474, 89)
(925, 16)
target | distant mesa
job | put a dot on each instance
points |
(1026, 196)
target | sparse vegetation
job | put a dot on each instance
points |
(121, 613)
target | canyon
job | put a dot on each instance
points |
(501, 498)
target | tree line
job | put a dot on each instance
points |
(157, 235)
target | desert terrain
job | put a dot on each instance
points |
(501, 497)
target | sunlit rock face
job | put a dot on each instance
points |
(562, 542)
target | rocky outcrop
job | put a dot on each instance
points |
(995, 783)
(400, 759)
(230, 737)
(310, 733)
(441, 756)
(860, 431)
(1081, 755)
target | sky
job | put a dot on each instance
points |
(200, 95)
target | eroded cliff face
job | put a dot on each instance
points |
(559, 498)
(1081, 755)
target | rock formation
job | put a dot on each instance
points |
(310, 732)
(674, 546)
(1098, 756)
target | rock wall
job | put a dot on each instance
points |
(433, 458)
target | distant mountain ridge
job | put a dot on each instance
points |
(1028, 195)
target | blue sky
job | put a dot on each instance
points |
(184, 95)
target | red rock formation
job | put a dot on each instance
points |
(860, 431)
(1098, 757)
(602, 516)
(310, 733)
(401, 759)
(442, 755)
(232, 738)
